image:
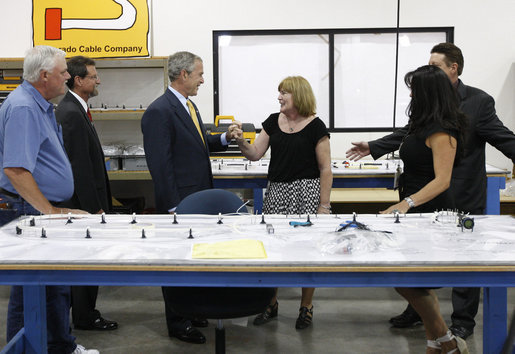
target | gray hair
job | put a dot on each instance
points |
(181, 61)
(41, 57)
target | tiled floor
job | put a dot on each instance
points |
(346, 320)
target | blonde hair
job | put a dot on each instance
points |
(302, 93)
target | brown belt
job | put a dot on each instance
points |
(9, 194)
(17, 196)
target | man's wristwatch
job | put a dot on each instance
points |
(410, 201)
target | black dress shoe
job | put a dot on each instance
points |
(100, 324)
(189, 334)
(409, 318)
(461, 331)
(199, 322)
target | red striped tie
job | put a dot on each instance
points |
(89, 115)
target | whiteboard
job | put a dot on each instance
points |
(251, 66)
(364, 81)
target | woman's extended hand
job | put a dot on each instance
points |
(322, 210)
(401, 207)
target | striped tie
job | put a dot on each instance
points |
(195, 119)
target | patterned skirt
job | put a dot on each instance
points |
(301, 196)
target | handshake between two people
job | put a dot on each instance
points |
(235, 131)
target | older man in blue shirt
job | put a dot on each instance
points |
(36, 173)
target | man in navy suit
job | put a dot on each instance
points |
(468, 184)
(177, 152)
(91, 185)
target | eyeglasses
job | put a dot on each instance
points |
(94, 77)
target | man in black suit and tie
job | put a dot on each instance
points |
(177, 152)
(92, 192)
(468, 183)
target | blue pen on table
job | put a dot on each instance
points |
(300, 223)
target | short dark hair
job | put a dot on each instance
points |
(452, 54)
(77, 66)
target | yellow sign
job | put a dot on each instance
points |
(93, 28)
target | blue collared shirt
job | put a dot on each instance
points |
(30, 138)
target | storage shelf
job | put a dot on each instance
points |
(364, 195)
(123, 114)
(121, 175)
(130, 63)
(11, 63)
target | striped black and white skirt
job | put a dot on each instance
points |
(301, 196)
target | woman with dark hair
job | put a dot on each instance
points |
(299, 175)
(432, 146)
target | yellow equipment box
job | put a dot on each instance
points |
(9, 80)
(220, 126)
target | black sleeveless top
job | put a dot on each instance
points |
(293, 155)
(419, 170)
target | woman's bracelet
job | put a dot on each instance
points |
(328, 207)
(410, 202)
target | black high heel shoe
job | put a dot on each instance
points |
(305, 318)
(269, 313)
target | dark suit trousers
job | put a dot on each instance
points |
(84, 300)
(465, 303)
(174, 322)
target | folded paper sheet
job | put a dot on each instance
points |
(241, 249)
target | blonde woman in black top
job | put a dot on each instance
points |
(299, 174)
